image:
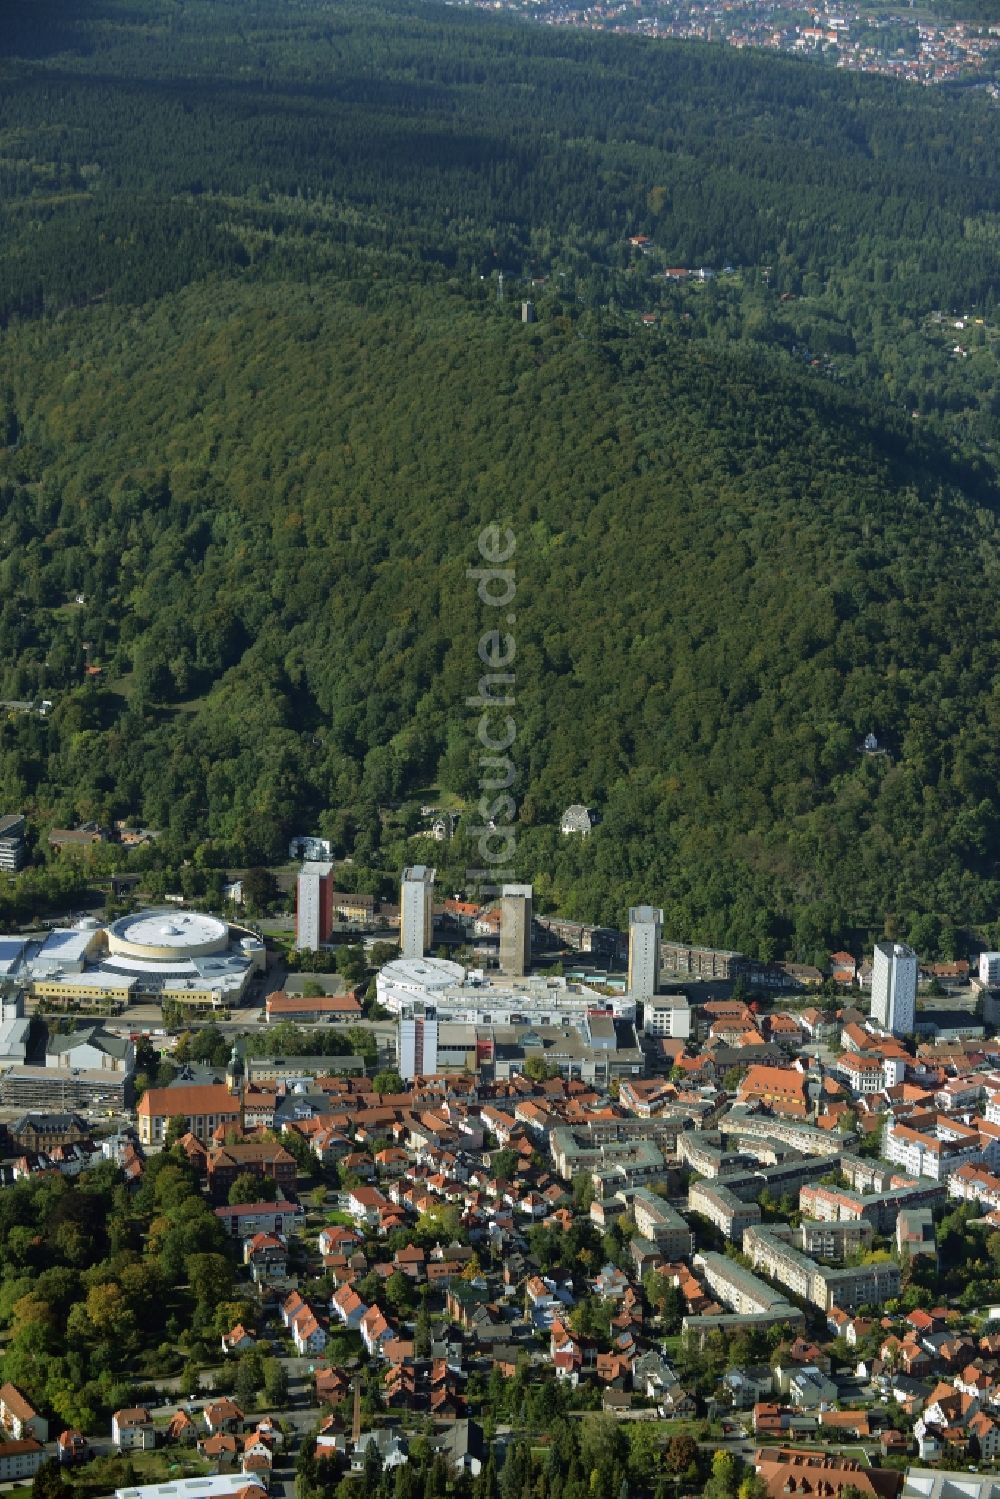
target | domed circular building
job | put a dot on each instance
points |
(167, 936)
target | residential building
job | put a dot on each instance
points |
(12, 851)
(19, 1417)
(719, 1204)
(417, 1041)
(645, 927)
(248, 1219)
(416, 902)
(463, 1446)
(265, 1159)
(915, 1233)
(133, 1428)
(736, 1288)
(314, 905)
(308, 849)
(576, 819)
(515, 929)
(20, 1459)
(657, 1220)
(699, 962)
(936, 1155)
(894, 987)
(834, 1241)
(772, 1248)
(880, 1208)
(782, 1089)
(989, 967)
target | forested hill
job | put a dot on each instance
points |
(261, 448)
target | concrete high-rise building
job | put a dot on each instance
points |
(989, 968)
(894, 987)
(416, 911)
(314, 906)
(645, 928)
(515, 929)
(417, 1041)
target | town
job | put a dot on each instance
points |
(915, 47)
(700, 1222)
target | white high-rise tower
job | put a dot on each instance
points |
(416, 911)
(894, 987)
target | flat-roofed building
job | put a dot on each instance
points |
(645, 926)
(314, 905)
(417, 1041)
(416, 906)
(515, 929)
(12, 850)
(894, 987)
(667, 1015)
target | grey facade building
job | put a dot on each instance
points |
(645, 925)
(11, 843)
(515, 929)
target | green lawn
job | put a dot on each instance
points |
(105, 1474)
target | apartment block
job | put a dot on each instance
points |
(12, 851)
(894, 987)
(720, 1205)
(416, 904)
(657, 1220)
(735, 1287)
(313, 906)
(515, 929)
(774, 1250)
(645, 923)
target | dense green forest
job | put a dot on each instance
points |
(259, 398)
